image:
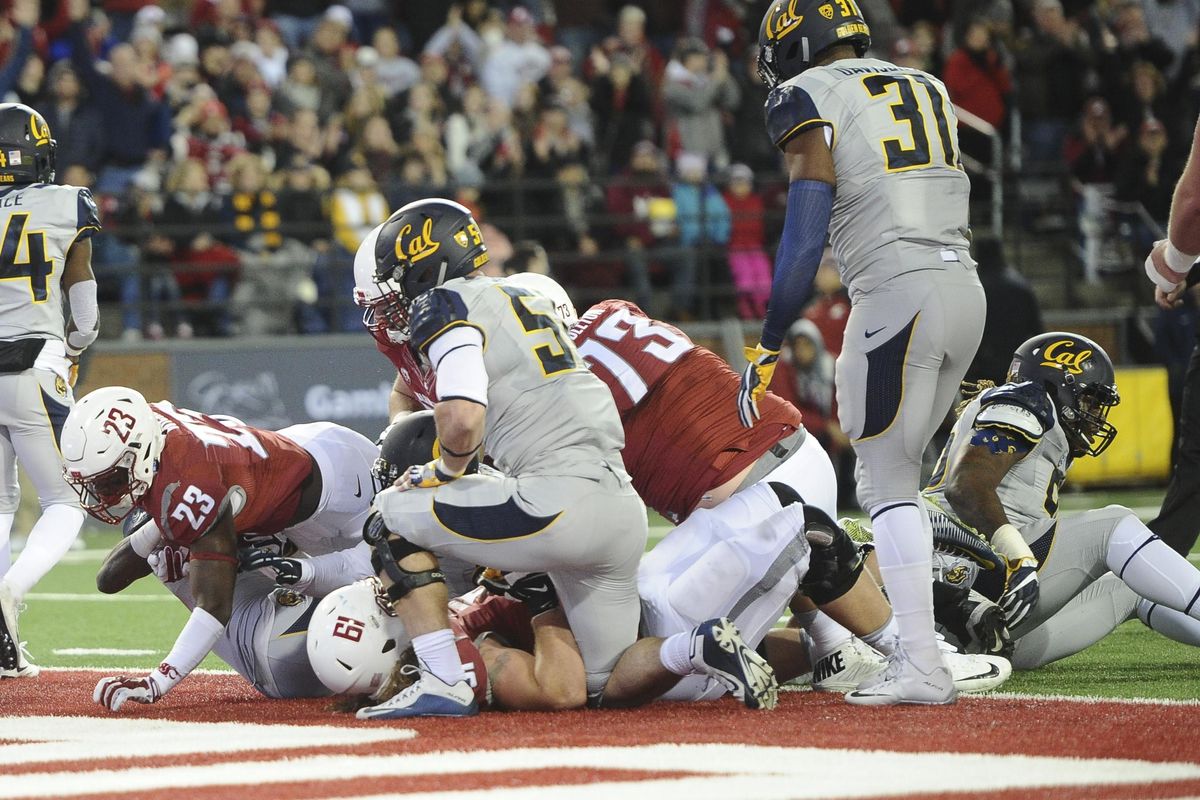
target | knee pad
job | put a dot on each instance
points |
(386, 554)
(835, 561)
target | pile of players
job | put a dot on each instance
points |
(495, 552)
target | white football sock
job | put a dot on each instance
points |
(438, 654)
(1152, 569)
(825, 632)
(904, 547)
(6, 523)
(675, 653)
(50, 539)
(1170, 623)
(884, 639)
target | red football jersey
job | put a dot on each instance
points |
(678, 405)
(419, 379)
(209, 461)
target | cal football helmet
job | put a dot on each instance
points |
(354, 638)
(26, 148)
(1079, 377)
(419, 247)
(545, 285)
(410, 441)
(111, 443)
(794, 34)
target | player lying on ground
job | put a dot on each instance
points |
(210, 482)
(561, 501)
(1068, 580)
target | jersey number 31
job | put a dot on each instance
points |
(908, 110)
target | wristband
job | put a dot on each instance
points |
(444, 473)
(1178, 260)
(1008, 542)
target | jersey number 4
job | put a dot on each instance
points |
(23, 256)
(908, 110)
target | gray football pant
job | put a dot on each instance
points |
(907, 346)
(33, 407)
(587, 533)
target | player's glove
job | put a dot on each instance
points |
(113, 692)
(755, 380)
(535, 590)
(427, 476)
(287, 570)
(1020, 593)
(169, 563)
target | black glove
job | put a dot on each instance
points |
(1020, 594)
(535, 590)
(287, 570)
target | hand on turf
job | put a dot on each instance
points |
(287, 571)
(169, 563)
(1020, 593)
(755, 380)
(113, 692)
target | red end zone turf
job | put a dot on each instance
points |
(623, 750)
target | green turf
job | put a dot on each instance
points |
(1132, 662)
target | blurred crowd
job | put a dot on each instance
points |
(241, 149)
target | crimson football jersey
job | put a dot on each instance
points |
(418, 378)
(678, 405)
(209, 461)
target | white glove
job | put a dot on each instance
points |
(113, 692)
(169, 563)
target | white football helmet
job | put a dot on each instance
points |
(111, 443)
(354, 638)
(545, 285)
(384, 311)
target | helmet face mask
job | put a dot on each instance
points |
(1079, 377)
(109, 495)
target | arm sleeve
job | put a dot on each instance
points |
(457, 359)
(809, 206)
(84, 311)
(87, 216)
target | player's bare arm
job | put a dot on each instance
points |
(400, 401)
(974, 477)
(214, 567)
(460, 431)
(552, 678)
(1169, 262)
(121, 567)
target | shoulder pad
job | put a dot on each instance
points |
(1021, 407)
(433, 313)
(790, 110)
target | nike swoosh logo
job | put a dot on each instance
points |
(872, 333)
(358, 486)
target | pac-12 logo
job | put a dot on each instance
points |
(348, 628)
(119, 424)
(1061, 354)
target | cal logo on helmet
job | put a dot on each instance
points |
(784, 22)
(415, 247)
(1063, 355)
(39, 129)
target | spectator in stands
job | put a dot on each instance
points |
(748, 261)
(1145, 177)
(703, 220)
(812, 385)
(621, 103)
(356, 207)
(1091, 151)
(1174, 22)
(830, 306)
(553, 146)
(423, 108)
(978, 82)
(378, 151)
(297, 19)
(271, 57)
(116, 260)
(250, 211)
(1143, 97)
(527, 256)
(300, 90)
(1053, 61)
(397, 73)
(519, 59)
(633, 44)
(205, 268)
(643, 215)
(697, 92)
(1131, 41)
(457, 39)
(137, 127)
(746, 142)
(19, 40)
(29, 83)
(210, 139)
(325, 49)
(76, 124)
(1013, 312)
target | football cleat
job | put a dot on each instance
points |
(977, 673)
(904, 683)
(428, 696)
(717, 650)
(846, 667)
(14, 659)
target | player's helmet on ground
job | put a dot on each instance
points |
(423, 245)
(354, 639)
(410, 441)
(1079, 377)
(794, 34)
(111, 443)
(544, 284)
(26, 149)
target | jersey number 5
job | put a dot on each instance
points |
(908, 110)
(29, 261)
(555, 355)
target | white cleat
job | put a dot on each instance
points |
(846, 667)
(904, 683)
(977, 673)
(427, 697)
(14, 658)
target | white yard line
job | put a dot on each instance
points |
(95, 597)
(102, 651)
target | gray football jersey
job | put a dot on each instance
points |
(1029, 491)
(547, 413)
(901, 191)
(40, 223)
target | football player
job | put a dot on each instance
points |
(561, 501)
(211, 483)
(45, 257)
(1068, 580)
(871, 151)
